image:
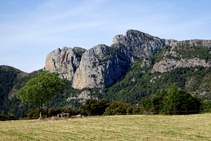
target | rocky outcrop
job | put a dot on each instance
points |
(138, 43)
(100, 67)
(82, 97)
(170, 64)
(146, 63)
(64, 61)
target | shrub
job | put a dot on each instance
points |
(138, 110)
(117, 108)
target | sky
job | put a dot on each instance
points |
(31, 29)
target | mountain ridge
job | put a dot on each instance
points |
(95, 68)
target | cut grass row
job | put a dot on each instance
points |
(129, 127)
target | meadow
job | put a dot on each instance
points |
(119, 127)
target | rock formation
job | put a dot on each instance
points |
(102, 65)
(64, 61)
(170, 64)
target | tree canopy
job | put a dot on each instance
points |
(173, 102)
(42, 88)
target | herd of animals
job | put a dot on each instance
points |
(61, 115)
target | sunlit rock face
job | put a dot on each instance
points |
(64, 61)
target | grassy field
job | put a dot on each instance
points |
(128, 127)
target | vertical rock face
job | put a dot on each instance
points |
(64, 61)
(100, 67)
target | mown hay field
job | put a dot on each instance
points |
(121, 128)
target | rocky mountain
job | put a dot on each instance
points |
(134, 67)
(101, 66)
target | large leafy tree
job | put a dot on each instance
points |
(41, 89)
(180, 101)
(173, 102)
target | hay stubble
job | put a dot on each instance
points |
(128, 127)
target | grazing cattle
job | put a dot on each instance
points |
(63, 115)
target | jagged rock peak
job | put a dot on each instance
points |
(141, 43)
(132, 34)
(64, 61)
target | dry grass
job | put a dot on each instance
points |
(129, 127)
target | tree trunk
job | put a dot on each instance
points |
(47, 112)
(40, 109)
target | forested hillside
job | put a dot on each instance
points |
(12, 79)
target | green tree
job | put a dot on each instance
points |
(173, 102)
(41, 89)
(180, 101)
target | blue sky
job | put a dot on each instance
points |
(30, 29)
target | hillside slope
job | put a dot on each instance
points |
(12, 79)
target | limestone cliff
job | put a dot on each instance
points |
(100, 67)
(64, 61)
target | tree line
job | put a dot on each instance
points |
(174, 102)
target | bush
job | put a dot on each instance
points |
(138, 110)
(129, 110)
(206, 107)
(10, 116)
(33, 114)
(117, 108)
